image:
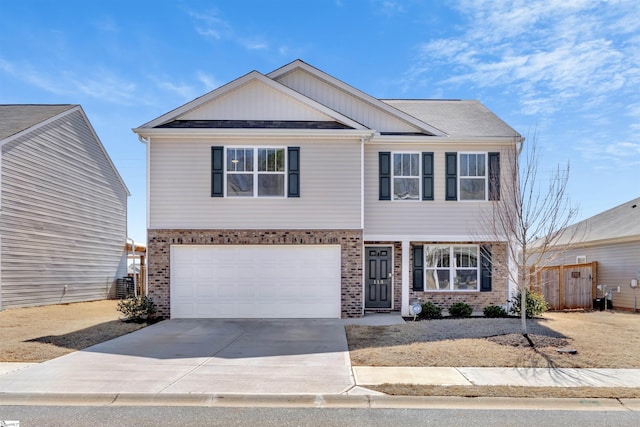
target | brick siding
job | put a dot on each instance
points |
(350, 241)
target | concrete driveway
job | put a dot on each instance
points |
(297, 356)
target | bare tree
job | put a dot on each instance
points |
(532, 214)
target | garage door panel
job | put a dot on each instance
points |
(268, 281)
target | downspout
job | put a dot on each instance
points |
(147, 143)
(363, 139)
(133, 252)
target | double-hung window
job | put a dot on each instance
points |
(255, 172)
(452, 268)
(473, 176)
(406, 176)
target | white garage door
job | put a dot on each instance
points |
(255, 281)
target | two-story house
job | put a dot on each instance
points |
(293, 194)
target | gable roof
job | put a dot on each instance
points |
(253, 76)
(14, 118)
(458, 118)
(19, 119)
(621, 223)
(317, 100)
(299, 65)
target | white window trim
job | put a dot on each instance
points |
(486, 176)
(453, 268)
(419, 177)
(255, 173)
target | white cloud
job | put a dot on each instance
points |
(548, 53)
(183, 90)
(99, 83)
(210, 25)
(208, 81)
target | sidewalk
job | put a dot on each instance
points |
(364, 376)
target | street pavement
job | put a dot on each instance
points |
(296, 359)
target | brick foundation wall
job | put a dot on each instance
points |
(476, 299)
(350, 241)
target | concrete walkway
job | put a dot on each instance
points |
(256, 357)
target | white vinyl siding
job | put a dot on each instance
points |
(180, 190)
(63, 218)
(436, 217)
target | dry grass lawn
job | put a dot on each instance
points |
(36, 334)
(602, 339)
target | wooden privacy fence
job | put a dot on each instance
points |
(567, 286)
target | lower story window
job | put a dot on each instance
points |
(452, 268)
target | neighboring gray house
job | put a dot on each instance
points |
(63, 208)
(293, 194)
(612, 239)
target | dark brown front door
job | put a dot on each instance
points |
(378, 277)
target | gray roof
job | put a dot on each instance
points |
(15, 118)
(458, 118)
(619, 223)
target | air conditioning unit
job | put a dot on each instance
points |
(581, 259)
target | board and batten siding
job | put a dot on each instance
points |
(255, 101)
(63, 217)
(180, 187)
(457, 220)
(344, 102)
(618, 263)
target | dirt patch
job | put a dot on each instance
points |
(36, 334)
(509, 391)
(606, 339)
(518, 340)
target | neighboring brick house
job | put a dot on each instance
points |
(293, 194)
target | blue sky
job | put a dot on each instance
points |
(567, 71)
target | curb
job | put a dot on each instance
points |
(315, 401)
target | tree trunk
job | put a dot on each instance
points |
(523, 309)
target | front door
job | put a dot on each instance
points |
(378, 277)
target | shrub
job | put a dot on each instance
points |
(494, 311)
(430, 311)
(460, 309)
(137, 309)
(536, 305)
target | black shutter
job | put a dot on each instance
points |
(418, 268)
(452, 176)
(485, 268)
(384, 166)
(217, 171)
(293, 178)
(494, 176)
(427, 176)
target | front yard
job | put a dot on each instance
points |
(602, 339)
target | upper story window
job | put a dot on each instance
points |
(255, 172)
(406, 176)
(472, 180)
(472, 176)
